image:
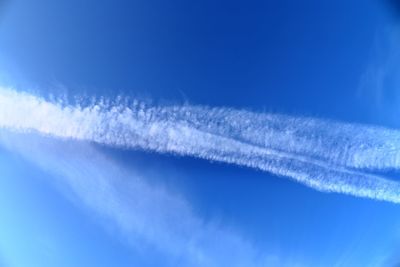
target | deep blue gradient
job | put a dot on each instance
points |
(307, 57)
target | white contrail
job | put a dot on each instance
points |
(328, 156)
(147, 215)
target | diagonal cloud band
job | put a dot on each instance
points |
(149, 216)
(325, 155)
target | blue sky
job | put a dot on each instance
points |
(78, 203)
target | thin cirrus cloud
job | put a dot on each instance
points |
(325, 155)
(149, 216)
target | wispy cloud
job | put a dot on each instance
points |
(378, 89)
(148, 216)
(325, 155)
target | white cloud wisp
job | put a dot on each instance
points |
(149, 216)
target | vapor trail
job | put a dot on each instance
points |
(325, 155)
(146, 214)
